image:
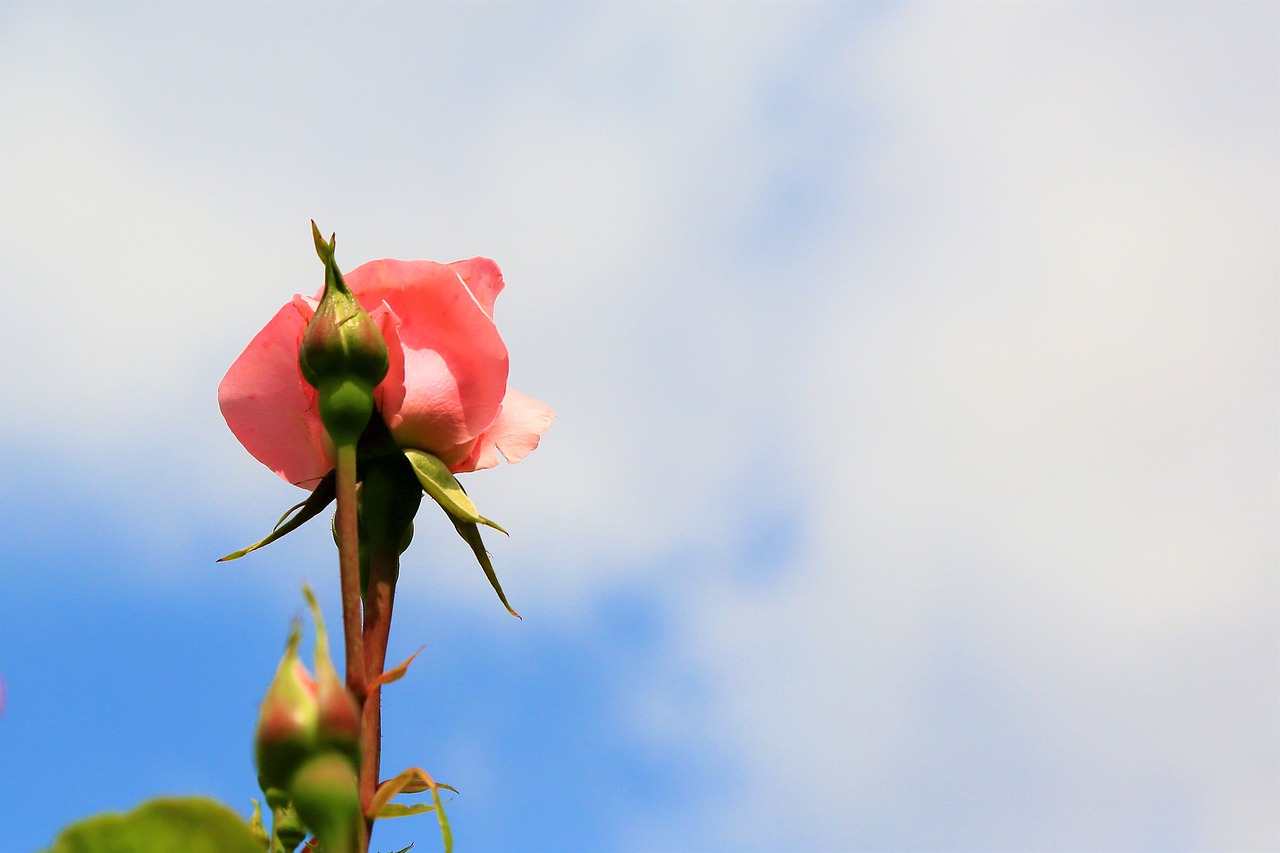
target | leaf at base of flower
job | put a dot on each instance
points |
(438, 482)
(323, 495)
(471, 535)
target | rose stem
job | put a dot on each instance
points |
(349, 579)
(349, 568)
(384, 567)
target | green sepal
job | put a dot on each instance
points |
(324, 248)
(256, 826)
(470, 533)
(395, 673)
(405, 809)
(438, 482)
(189, 824)
(446, 833)
(346, 343)
(412, 780)
(287, 829)
(323, 495)
(444, 488)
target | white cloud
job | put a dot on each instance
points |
(1047, 406)
(148, 171)
(987, 292)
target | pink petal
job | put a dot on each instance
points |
(516, 432)
(483, 278)
(269, 406)
(390, 392)
(455, 363)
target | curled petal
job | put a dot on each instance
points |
(389, 395)
(483, 278)
(515, 433)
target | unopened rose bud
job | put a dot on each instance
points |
(286, 732)
(326, 796)
(338, 722)
(343, 354)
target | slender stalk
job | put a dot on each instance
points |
(349, 569)
(347, 524)
(384, 566)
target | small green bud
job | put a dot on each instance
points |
(326, 795)
(287, 720)
(342, 355)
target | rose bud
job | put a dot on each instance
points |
(286, 732)
(343, 354)
(326, 796)
(338, 719)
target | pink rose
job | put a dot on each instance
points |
(445, 392)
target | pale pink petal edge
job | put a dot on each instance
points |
(515, 433)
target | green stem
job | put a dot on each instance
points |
(347, 524)
(349, 569)
(384, 568)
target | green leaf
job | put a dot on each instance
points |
(415, 778)
(471, 534)
(188, 824)
(445, 832)
(406, 781)
(323, 495)
(391, 787)
(405, 809)
(444, 488)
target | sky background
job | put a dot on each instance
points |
(914, 485)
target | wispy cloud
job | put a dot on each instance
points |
(917, 364)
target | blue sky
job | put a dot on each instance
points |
(914, 485)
